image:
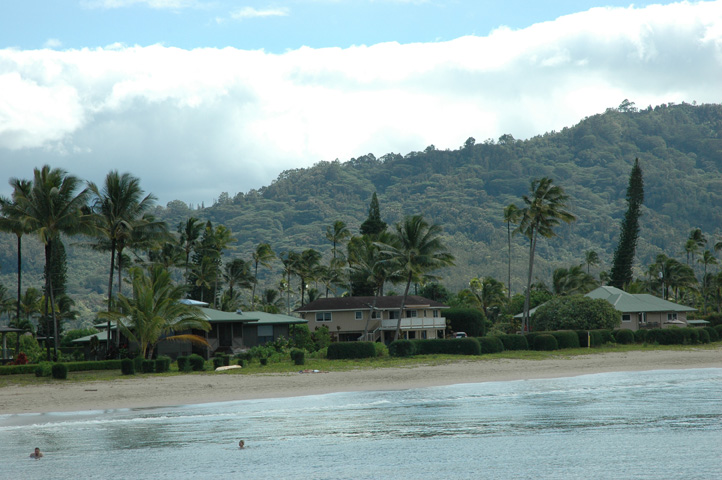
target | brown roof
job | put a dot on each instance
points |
(364, 303)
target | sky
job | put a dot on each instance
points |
(199, 97)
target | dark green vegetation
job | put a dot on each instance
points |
(465, 191)
(575, 312)
(623, 261)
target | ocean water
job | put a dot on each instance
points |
(634, 425)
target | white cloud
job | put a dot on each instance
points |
(250, 12)
(53, 43)
(194, 123)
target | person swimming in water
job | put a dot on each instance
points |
(36, 454)
(241, 444)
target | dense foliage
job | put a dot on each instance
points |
(623, 261)
(575, 312)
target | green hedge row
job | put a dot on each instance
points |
(71, 366)
(346, 350)
(451, 346)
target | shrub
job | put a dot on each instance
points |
(301, 337)
(298, 356)
(469, 320)
(691, 336)
(566, 339)
(545, 342)
(32, 349)
(514, 342)
(381, 349)
(162, 364)
(402, 348)
(184, 363)
(491, 344)
(217, 362)
(245, 356)
(719, 330)
(242, 362)
(624, 336)
(576, 312)
(263, 360)
(127, 367)
(713, 335)
(147, 366)
(198, 363)
(21, 359)
(321, 337)
(666, 336)
(451, 346)
(138, 363)
(704, 336)
(640, 336)
(60, 371)
(44, 369)
(340, 350)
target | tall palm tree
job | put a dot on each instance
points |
(11, 221)
(591, 258)
(263, 256)
(512, 214)
(154, 312)
(237, 273)
(337, 234)
(53, 206)
(307, 268)
(707, 258)
(290, 260)
(119, 207)
(415, 250)
(544, 209)
(190, 235)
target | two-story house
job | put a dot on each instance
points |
(376, 318)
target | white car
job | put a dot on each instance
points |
(460, 334)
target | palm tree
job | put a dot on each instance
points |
(10, 221)
(53, 206)
(489, 292)
(307, 268)
(154, 311)
(591, 258)
(271, 301)
(190, 234)
(544, 210)
(572, 281)
(708, 258)
(512, 214)
(336, 234)
(414, 250)
(238, 273)
(262, 255)
(119, 207)
(290, 261)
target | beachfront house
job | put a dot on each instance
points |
(375, 318)
(642, 310)
(230, 332)
(639, 310)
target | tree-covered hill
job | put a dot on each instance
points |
(465, 191)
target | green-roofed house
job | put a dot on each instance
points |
(642, 310)
(233, 331)
(230, 332)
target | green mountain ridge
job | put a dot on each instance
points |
(465, 191)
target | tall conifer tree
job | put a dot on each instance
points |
(621, 273)
(373, 225)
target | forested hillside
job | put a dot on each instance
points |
(465, 191)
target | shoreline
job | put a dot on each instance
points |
(149, 392)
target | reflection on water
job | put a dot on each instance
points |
(619, 425)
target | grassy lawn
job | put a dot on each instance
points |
(287, 366)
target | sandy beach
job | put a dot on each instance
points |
(143, 392)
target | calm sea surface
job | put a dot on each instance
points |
(655, 425)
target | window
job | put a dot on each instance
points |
(411, 313)
(626, 317)
(671, 316)
(643, 317)
(376, 314)
(436, 314)
(359, 315)
(265, 334)
(323, 316)
(225, 334)
(393, 314)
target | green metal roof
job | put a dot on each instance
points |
(102, 337)
(256, 318)
(636, 302)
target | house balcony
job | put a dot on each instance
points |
(415, 323)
